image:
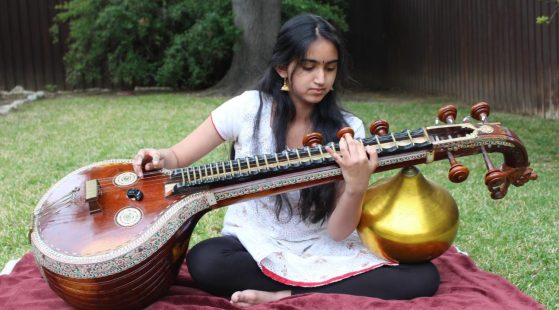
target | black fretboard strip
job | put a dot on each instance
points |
(266, 165)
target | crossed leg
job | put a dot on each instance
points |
(223, 267)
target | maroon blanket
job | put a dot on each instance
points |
(463, 286)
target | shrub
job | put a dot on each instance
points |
(199, 56)
(332, 10)
(177, 43)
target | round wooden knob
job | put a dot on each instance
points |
(458, 173)
(495, 178)
(312, 139)
(480, 111)
(343, 131)
(379, 128)
(447, 114)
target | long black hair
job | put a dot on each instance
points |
(292, 43)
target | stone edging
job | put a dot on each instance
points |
(19, 97)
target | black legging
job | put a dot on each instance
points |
(222, 266)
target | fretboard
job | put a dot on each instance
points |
(190, 179)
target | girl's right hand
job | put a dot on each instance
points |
(149, 159)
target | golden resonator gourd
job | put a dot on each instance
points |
(407, 218)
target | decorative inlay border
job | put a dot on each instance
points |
(400, 159)
(278, 183)
(473, 139)
(319, 175)
(456, 145)
(125, 257)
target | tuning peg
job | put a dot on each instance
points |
(480, 111)
(343, 131)
(313, 139)
(447, 114)
(495, 179)
(457, 172)
(379, 127)
(496, 182)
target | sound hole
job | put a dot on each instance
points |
(125, 179)
(128, 217)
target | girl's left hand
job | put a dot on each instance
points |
(356, 166)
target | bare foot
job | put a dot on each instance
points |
(249, 298)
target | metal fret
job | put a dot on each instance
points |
(333, 146)
(411, 139)
(321, 153)
(257, 163)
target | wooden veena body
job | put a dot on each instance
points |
(104, 239)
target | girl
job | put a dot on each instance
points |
(302, 241)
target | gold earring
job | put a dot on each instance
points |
(285, 87)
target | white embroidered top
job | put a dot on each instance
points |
(289, 250)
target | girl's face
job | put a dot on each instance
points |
(312, 77)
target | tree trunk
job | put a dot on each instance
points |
(259, 22)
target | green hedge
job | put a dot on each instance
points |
(184, 44)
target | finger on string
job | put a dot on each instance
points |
(141, 156)
(344, 146)
(138, 162)
(361, 149)
(333, 153)
(357, 148)
(149, 166)
(373, 157)
(372, 152)
(148, 156)
(350, 141)
(155, 158)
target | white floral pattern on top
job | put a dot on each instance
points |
(287, 249)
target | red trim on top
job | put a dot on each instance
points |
(213, 124)
(283, 280)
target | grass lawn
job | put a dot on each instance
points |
(515, 237)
